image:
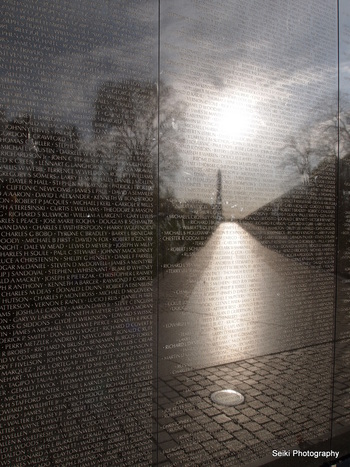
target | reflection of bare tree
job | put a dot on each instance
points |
(299, 156)
(303, 219)
(322, 140)
(335, 131)
(302, 155)
(218, 205)
(133, 125)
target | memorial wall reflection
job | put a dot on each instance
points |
(171, 197)
(79, 145)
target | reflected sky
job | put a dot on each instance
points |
(58, 54)
(344, 51)
(251, 74)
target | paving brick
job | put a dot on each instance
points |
(249, 412)
(243, 435)
(261, 419)
(234, 445)
(231, 427)
(213, 426)
(222, 435)
(273, 427)
(252, 426)
(264, 435)
(212, 411)
(221, 418)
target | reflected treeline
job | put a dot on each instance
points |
(302, 222)
(79, 219)
(343, 264)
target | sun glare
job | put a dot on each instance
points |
(235, 119)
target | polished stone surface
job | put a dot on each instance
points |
(236, 299)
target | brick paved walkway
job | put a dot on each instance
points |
(288, 399)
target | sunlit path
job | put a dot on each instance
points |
(235, 299)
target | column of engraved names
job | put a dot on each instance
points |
(76, 322)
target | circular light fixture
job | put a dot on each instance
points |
(227, 397)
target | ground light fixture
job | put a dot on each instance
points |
(227, 397)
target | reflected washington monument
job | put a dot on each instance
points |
(218, 202)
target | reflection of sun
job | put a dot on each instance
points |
(235, 119)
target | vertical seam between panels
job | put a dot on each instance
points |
(156, 358)
(336, 242)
